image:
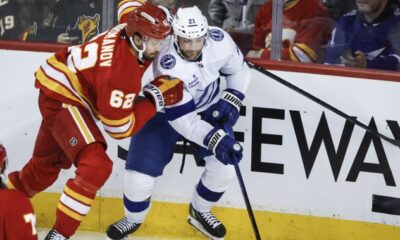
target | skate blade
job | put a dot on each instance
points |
(113, 239)
(200, 228)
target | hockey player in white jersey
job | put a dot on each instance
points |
(199, 55)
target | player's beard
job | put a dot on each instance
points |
(150, 56)
(191, 54)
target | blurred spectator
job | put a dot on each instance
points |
(338, 8)
(227, 14)
(171, 4)
(201, 4)
(18, 16)
(306, 28)
(368, 37)
(32, 12)
(69, 21)
(10, 20)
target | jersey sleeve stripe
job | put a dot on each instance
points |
(55, 86)
(290, 5)
(74, 85)
(9, 184)
(307, 51)
(122, 135)
(55, 70)
(119, 128)
(292, 55)
(118, 122)
(62, 73)
(80, 122)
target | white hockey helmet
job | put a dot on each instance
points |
(190, 23)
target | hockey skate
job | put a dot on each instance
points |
(206, 223)
(121, 229)
(54, 235)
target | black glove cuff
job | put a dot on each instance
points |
(214, 138)
(232, 99)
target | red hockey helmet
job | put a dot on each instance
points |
(3, 158)
(149, 21)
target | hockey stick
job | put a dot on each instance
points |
(393, 141)
(229, 131)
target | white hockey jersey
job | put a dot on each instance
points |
(220, 57)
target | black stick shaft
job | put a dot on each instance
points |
(229, 131)
(247, 202)
(393, 141)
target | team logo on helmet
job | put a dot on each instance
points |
(216, 35)
(168, 61)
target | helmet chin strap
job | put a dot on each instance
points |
(140, 51)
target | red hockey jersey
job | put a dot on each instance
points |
(17, 219)
(104, 76)
(306, 27)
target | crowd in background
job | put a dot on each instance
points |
(353, 33)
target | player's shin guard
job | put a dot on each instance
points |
(137, 192)
(73, 206)
(93, 169)
(138, 188)
(213, 183)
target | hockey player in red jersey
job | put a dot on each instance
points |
(98, 80)
(306, 28)
(17, 219)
